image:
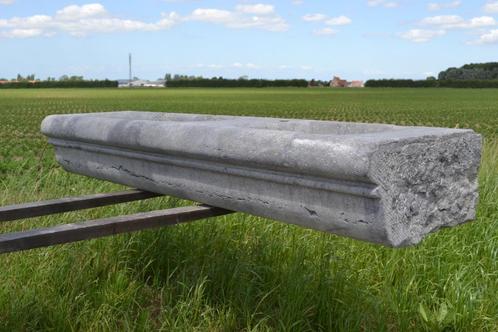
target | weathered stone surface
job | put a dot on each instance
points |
(380, 183)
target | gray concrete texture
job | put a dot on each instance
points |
(380, 183)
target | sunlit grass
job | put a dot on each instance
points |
(240, 272)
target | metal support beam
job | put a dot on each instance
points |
(43, 208)
(67, 233)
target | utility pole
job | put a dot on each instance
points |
(129, 63)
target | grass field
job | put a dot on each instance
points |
(240, 272)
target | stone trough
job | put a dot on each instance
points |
(385, 184)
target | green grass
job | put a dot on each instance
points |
(240, 272)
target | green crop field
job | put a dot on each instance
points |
(239, 272)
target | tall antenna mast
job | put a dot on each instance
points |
(129, 62)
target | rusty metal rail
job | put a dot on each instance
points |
(43, 237)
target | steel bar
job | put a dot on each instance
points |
(67, 233)
(42, 208)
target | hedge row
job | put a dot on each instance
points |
(227, 83)
(60, 84)
(475, 84)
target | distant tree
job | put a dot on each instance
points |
(64, 78)
(430, 78)
(167, 77)
(473, 71)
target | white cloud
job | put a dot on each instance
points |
(78, 21)
(491, 7)
(383, 3)
(6, 2)
(421, 36)
(75, 12)
(434, 6)
(94, 18)
(325, 32)
(478, 22)
(31, 22)
(92, 25)
(22, 33)
(327, 21)
(443, 20)
(490, 37)
(458, 22)
(340, 20)
(436, 26)
(257, 9)
(211, 15)
(244, 16)
(314, 17)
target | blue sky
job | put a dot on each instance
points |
(356, 39)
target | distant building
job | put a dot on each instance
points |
(16, 81)
(141, 84)
(356, 84)
(337, 82)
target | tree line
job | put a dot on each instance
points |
(60, 84)
(220, 82)
(65, 81)
(474, 75)
(473, 71)
(395, 83)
